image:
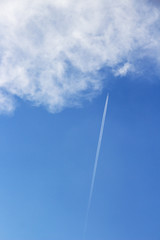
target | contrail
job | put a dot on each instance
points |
(95, 165)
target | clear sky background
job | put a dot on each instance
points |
(58, 61)
(46, 164)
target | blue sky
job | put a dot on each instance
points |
(46, 163)
(58, 61)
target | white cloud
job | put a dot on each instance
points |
(122, 71)
(51, 51)
(6, 103)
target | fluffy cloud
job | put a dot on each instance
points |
(51, 52)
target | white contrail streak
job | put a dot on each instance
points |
(95, 164)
